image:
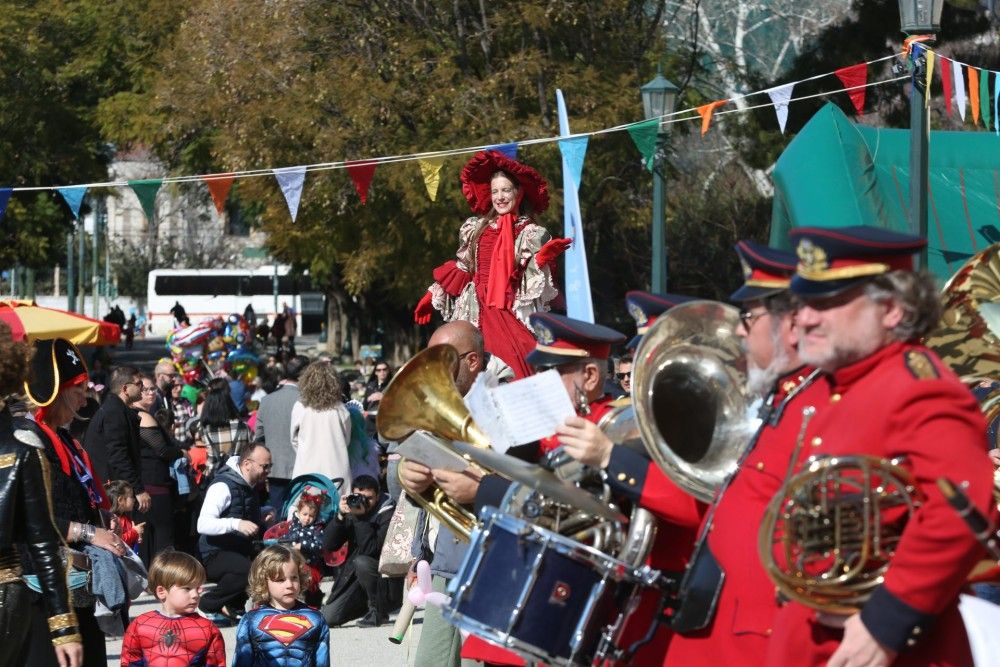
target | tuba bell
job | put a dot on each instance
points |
(688, 395)
(423, 396)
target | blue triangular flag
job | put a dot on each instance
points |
(74, 197)
(510, 150)
(4, 198)
(291, 180)
(573, 151)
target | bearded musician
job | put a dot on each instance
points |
(863, 311)
(735, 629)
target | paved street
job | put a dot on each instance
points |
(349, 645)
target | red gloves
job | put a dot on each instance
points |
(422, 313)
(548, 252)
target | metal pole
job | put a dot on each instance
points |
(274, 287)
(82, 291)
(70, 276)
(919, 149)
(93, 261)
(658, 277)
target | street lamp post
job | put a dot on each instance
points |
(919, 17)
(659, 97)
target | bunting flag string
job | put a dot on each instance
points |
(573, 152)
(984, 97)
(946, 69)
(218, 187)
(854, 79)
(974, 94)
(644, 136)
(996, 104)
(706, 111)
(73, 196)
(959, 80)
(930, 76)
(146, 189)
(430, 169)
(361, 174)
(4, 198)
(291, 180)
(779, 97)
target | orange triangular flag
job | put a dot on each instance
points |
(974, 94)
(706, 111)
(361, 174)
(218, 187)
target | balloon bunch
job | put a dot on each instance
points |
(212, 345)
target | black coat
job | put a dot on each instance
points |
(112, 441)
(364, 535)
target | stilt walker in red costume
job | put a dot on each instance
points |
(503, 268)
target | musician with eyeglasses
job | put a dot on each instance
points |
(728, 602)
(863, 312)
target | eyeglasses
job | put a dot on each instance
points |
(148, 390)
(747, 318)
(263, 467)
(465, 354)
(622, 376)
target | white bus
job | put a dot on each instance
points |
(208, 293)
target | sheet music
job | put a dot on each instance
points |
(532, 408)
(483, 408)
(431, 451)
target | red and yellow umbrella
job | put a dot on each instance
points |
(29, 321)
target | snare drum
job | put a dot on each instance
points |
(539, 593)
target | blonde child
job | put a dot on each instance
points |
(122, 504)
(281, 631)
(177, 634)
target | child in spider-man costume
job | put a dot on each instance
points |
(281, 631)
(176, 636)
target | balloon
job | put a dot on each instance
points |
(250, 374)
(241, 339)
(234, 319)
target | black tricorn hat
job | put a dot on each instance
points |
(57, 363)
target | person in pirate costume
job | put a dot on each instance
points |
(57, 387)
(502, 272)
(26, 523)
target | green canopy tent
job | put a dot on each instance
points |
(836, 173)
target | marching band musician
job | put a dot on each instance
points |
(864, 309)
(738, 631)
(578, 350)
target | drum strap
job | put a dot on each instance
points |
(702, 582)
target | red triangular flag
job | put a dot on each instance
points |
(945, 68)
(706, 111)
(855, 75)
(361, 173)
(218, 187)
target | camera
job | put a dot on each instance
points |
(357, 501)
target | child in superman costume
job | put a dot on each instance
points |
(281, 631)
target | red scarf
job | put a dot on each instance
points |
(502, 260)
(66, 462)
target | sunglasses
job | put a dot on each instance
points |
(622, 376)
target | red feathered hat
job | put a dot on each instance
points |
(478, 171)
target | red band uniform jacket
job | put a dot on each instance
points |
(902, 402)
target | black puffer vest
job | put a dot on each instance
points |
(243, 504)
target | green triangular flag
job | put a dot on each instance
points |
(146, 190)
(984, 97)
(644, 136)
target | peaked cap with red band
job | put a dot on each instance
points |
(57, 364)
(477, 173)
(563, 340)
(766, 271)
(645, 307)
(832, 260)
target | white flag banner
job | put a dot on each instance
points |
(290, 180)
(779, 98)
(958, 76)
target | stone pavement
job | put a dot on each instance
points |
(349, 644)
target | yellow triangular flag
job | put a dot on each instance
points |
(930, 71)
(430, 169)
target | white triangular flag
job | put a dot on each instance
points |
(290, 180)
(958, 76)
(779, 98)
